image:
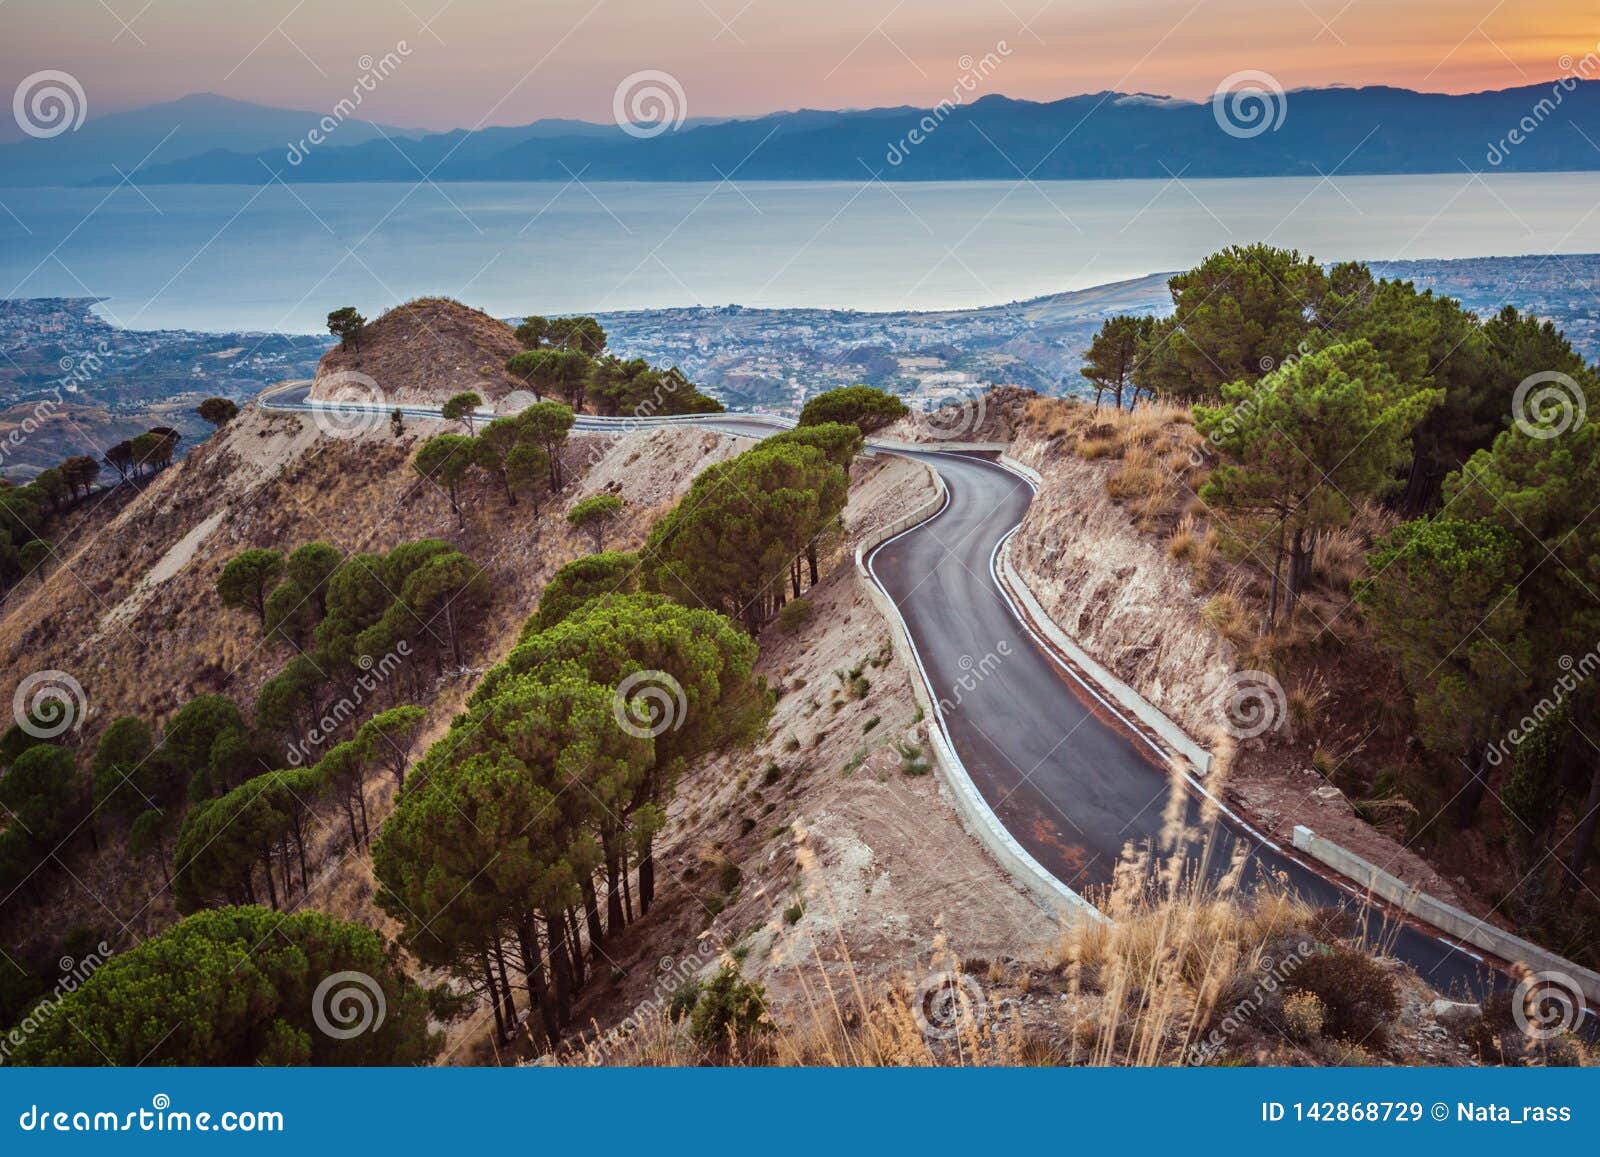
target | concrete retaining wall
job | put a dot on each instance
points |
(976, 816)
(1445, 917)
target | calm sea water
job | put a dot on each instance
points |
(278, 258)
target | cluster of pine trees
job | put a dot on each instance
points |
(1319, 389)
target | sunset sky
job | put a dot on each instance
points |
(478, 62)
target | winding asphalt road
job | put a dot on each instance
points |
(1069, 779)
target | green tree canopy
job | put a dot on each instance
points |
(242, 986)
(583, 579)
(1309, 440)
(346, 324)
(595, 515)
(218, 411)
(247, 578)
(865, 407)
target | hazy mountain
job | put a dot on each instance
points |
(163, 134)
(1095, 136)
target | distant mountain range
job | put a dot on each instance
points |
(208, 139)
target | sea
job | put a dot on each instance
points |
(278, 257)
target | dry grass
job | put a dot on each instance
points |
(1339, 557)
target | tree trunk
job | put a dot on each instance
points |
(811, 559)
(647, 880)
(1300, 556)
(1277, 566)
(506, 996)
(560, 966)
(591, 912)
(494, 997)
(1477, 785)
(574, 946)
(272, 889)
(533, 971)
(614, 919)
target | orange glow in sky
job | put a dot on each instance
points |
(476, 62)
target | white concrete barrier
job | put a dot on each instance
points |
(1445, 917)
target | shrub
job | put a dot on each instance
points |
(1359, 998)
(793, 615)
(729, 1008)
(683, 1000)
(1303, 1015)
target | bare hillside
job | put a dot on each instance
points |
(426, 351)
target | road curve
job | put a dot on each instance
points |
(1069, 779)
